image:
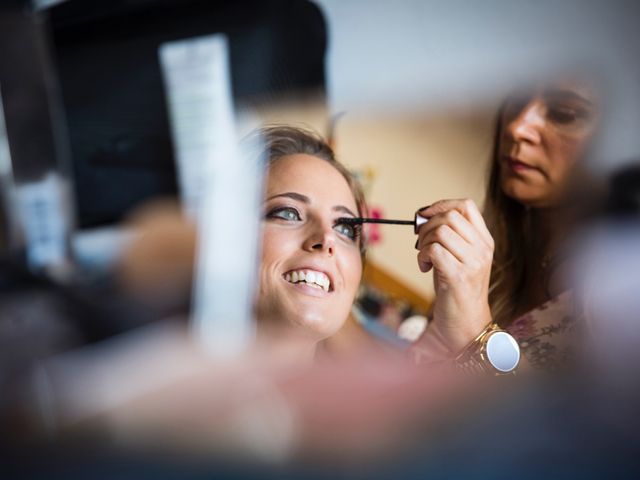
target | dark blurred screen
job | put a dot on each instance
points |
(107, 58)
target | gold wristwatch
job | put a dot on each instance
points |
(493, 351)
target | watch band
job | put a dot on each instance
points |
(493, 351)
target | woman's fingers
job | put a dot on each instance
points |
(456, 227)
(438, 256)
(448, 238)
(452, 219)
(467, 209)
(455, 233)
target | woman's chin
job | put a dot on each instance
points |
(524, 194)
(308, 324)
(317, 325)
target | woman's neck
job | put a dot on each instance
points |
(546, 272)
(286, 348)
(552, 223)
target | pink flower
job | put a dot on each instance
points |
(523, 328)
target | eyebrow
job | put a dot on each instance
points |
(296, 196)
(304, 199)
(342, 208)
(562, 94)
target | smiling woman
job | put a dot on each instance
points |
(311, 263)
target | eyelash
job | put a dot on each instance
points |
(357, 231)
(565, 115)
(274, 215)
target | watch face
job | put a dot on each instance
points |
(503, 351)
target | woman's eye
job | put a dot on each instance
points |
(349, 231)
(562, 115)
(566, 115)
(286, 213)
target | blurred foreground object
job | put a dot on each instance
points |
(34, 155)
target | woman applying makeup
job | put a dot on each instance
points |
(312, 255)
(531, 212)
(540, 136)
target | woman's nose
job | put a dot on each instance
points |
(321, 238)
(526, 125)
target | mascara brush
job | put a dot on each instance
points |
(416, 222)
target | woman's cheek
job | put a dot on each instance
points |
(354, 271)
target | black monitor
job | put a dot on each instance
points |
(106, 54)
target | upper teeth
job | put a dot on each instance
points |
(310, 277)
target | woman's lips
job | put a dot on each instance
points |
(310, 290)
(517, 166)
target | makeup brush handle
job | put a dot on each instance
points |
(418, 222)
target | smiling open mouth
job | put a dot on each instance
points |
(310, 277)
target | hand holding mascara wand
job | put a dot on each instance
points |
(458, 246)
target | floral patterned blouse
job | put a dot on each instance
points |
(548, 335)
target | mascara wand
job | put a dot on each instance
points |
(416, 222)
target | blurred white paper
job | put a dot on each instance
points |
(219, 187)
(43, 207)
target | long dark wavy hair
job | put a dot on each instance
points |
(519, 242)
